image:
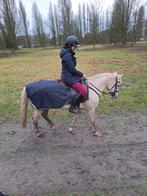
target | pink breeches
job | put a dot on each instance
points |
(80, 88)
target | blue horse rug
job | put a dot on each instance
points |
(45, 94)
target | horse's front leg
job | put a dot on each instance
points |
(71, 127)
(92, 123)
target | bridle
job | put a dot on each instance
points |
(98, 91)
(115, 86)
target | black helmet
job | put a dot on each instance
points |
(72, 40)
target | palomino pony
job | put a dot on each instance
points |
(96, 83)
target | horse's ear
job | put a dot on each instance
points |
(115, 73)
(121, 75)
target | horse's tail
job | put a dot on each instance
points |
(23, 107)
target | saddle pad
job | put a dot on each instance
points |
(45, 94)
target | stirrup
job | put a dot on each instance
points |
(74, 109)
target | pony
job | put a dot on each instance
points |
(96, 85)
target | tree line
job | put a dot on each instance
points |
(125, 22)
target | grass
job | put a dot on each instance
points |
(28, 65)
(142, 190)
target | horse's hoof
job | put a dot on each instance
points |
(71, 131)
(53, 128)
(40, 134)
(97, 134)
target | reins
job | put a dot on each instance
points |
(95, 89)
(103, 92)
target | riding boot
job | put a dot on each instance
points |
(75, 104)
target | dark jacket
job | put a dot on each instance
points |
(70, 74)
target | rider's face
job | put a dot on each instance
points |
(73, 48)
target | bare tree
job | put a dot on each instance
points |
(24, 23)
(2, 34)
(52, 22)
(8, 23)
(38, 27)
(121, 18)
(88, 18)
(145, 30)
(79, 22)
(139, 24)
(76, 28)
(108, 25)
(136, 23)
(84, 19)
(66, 16)
(94, 23)
(58, 24)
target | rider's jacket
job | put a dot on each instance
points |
(70, 74)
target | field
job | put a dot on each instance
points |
(61, 164)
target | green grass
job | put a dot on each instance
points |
(142, 190)
(28, 65)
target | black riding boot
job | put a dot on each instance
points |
(75, 104)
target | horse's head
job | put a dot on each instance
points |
(114, 84)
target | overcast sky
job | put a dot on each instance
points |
(43, 5)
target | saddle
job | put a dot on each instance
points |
(73, 92)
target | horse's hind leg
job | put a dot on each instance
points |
(36, 116)
(45, 116)
(92, 123)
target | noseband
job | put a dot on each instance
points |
(115, 86)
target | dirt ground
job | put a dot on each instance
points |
(63, 163)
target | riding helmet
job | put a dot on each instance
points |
(72, 41)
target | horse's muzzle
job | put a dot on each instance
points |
(113, 94)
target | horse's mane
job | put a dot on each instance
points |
(100, 75)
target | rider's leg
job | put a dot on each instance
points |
(78, 98)
(74, 107)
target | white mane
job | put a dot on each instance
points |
(102, 75)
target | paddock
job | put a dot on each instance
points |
(80, 164)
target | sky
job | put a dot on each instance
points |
(43, 5)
